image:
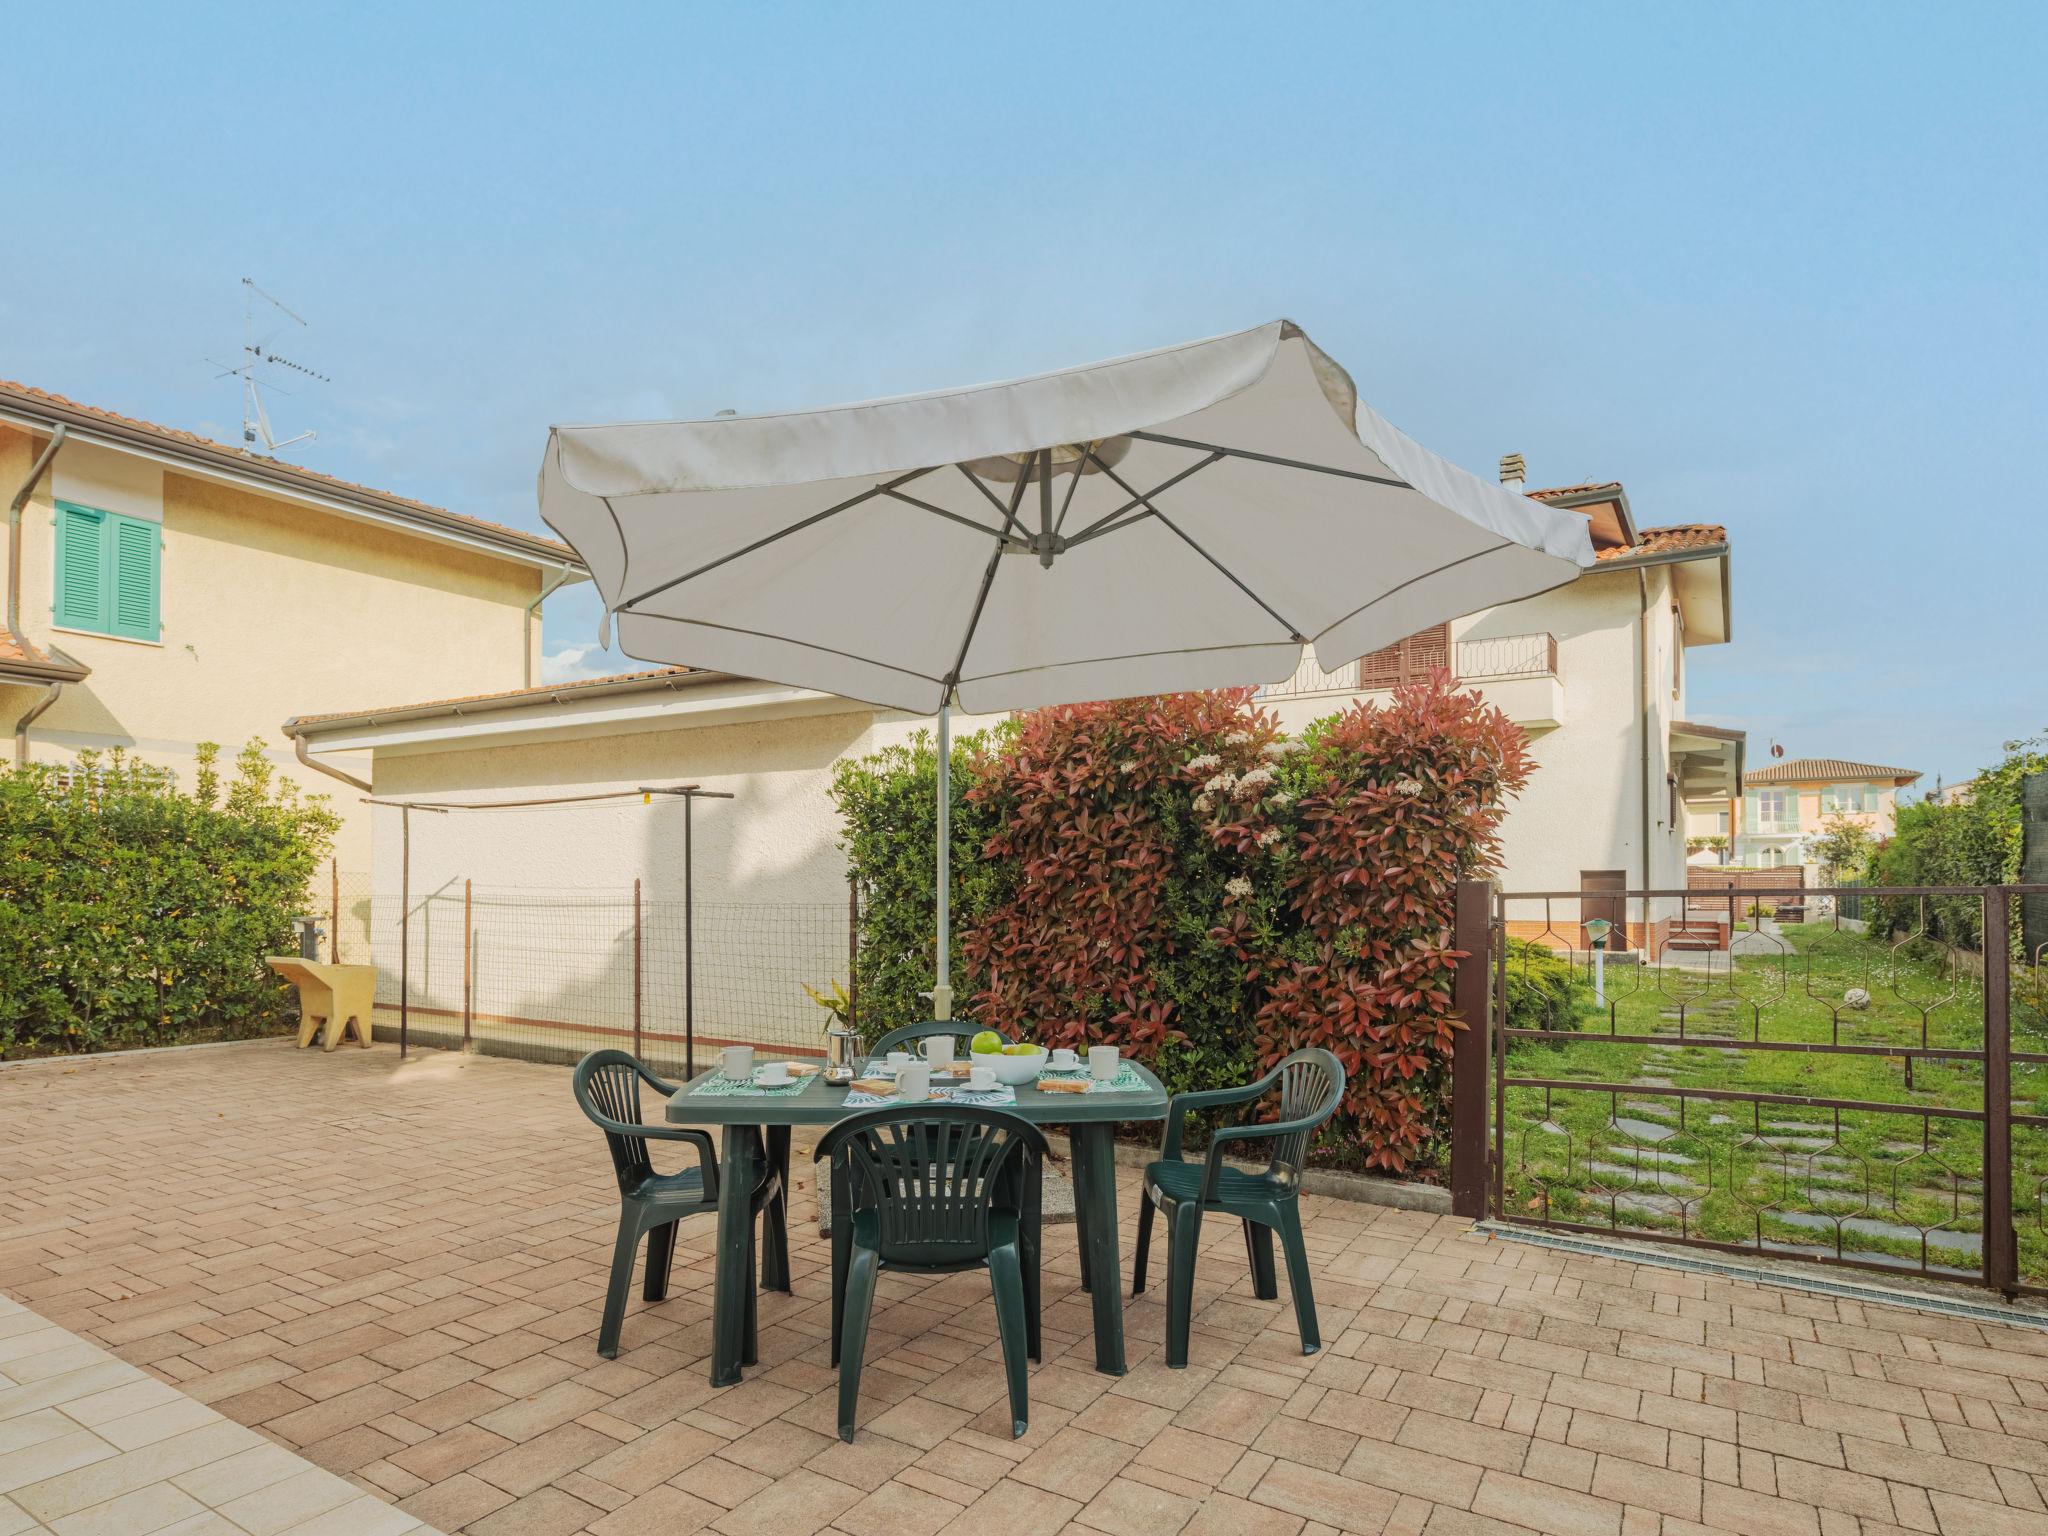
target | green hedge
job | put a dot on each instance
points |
(1543, 990)
(132, 913)
(888, 803)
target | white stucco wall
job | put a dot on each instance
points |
(551, 887)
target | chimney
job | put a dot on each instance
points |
(1513, 471)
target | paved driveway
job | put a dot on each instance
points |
(396, 1272)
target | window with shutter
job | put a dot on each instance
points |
(107, 577)
(1407, 661)
(134, 576)
(80, 596)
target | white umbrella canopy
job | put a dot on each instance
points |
(1185, 518)
(1181, 519)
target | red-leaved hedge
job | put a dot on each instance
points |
(1183, 881)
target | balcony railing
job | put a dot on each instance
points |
(1470, 661)
(1506, 656)
(1771, 826)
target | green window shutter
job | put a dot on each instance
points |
(80, 588)
(133, 570)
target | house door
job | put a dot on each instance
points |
(1601, 896)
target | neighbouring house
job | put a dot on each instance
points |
(164, 589)
(1785, 805)
(1595, 672)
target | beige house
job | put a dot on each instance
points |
(1787, 804)
(164, 590)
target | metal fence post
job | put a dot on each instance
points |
(1469, 1049)
(334, 911)
(468, 945)
(689, 938)
(636, 965)
(2001, 1248)
(853, 953)
(404, 926)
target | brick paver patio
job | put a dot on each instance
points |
(396, 1272)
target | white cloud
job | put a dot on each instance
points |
(571, 663)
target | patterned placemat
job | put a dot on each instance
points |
(1126, 1080)
(987, 1098)
(723, 1087)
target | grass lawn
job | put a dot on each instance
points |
(1882, 1186)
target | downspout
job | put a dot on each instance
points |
(14, 507)
(1643, 714)
(547, 589)
(52, 690)
(299, 751)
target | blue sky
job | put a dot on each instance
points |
(1778, 267)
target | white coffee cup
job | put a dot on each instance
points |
(1064, 1056)
(737, 1062)
(898, 1060)
(981, 1079)
(938, 1050)
(774, 1075)
(914, 1082)
(1102, 1062)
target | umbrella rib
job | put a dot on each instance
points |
(1437, 570)
(1101, 525)
(1009, 512)
(1056, 666)
(1073, 485)
(781, 533)
(988, 580)
(1293, 630)
(998, 534)
(1270, 458)
(809, 645)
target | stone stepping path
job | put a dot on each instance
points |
(1867, 1226)
(1649, 1179)
(1644, 1130)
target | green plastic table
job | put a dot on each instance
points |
(757, 1126)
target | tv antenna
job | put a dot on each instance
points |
(260, 360)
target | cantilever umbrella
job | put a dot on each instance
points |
(1180, 519)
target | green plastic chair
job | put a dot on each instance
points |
(651, 1205)
(907, 1036)
(932, 1190)
(1311, 1084)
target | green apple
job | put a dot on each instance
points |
(1020, 1049)
(987, 1043)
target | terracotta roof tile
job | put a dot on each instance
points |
(1806, 770)
(312, 477)
(1673, 540)
(1557, 492)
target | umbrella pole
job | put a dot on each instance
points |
(942, 992)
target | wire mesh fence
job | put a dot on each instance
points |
(551, 974)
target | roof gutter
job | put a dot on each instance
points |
(14, 507)
(299, 726)
(86, 427)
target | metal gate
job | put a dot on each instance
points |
(1763, 1075)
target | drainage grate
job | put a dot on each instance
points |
(1796, 1278)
